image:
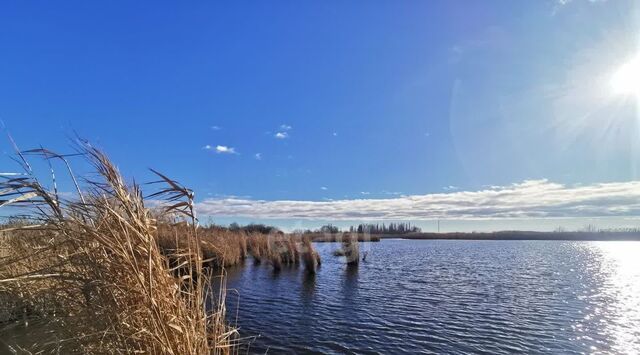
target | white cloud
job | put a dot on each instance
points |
(207, 147)
(281, 135)
(335, 134)
(285, 127)
(258, 156)
(323, 188)
(216, 128)
(365, 192)
(223, 149)
(450, 188)
(528, 199)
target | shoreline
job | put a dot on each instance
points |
(519, 235)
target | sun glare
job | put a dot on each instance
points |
(626, 80)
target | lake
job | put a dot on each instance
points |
(491, 297)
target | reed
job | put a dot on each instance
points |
(220, 247)
(258, 247)
(276, 248)
(310, 256)
(95, 270)
(351, 248)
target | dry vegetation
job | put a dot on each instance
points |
(310, 256)
(220, 247)
(93, 273)
(351, 249)
(103, 273)
(283, 250)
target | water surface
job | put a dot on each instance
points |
(491, 297)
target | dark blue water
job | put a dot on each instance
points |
(485, 297)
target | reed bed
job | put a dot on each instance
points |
(280, 250)
(220, 247)
(92, 271)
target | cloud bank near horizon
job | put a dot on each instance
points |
(528, 199)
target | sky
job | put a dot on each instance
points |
(485, 115)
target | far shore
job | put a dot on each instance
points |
(520, 235)
(500, 235)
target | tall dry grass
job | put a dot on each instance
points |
(280, 250)
(92, 272)
(310, 256)
(220, 247)
(351, 248)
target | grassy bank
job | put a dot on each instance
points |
(92, 272)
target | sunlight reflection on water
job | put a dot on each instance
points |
(622, 265)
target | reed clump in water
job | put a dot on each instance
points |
(310, 257)
(351, 249)
(258, 247)
(276, 248)
(222, 247)
(92, 269)
(338, 252)
(282, 251)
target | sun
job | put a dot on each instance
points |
(626, 80)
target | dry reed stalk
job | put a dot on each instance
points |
(351, 248)
(93, 269)
(310, 256)
(220, 248)
(277, 249)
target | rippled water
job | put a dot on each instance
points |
(489, 297)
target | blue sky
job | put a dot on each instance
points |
(337, 101)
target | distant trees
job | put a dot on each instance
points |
(249, 228)
(590, 228)
(372, 228)
(329, 228)
(259, 228)
(392, 228)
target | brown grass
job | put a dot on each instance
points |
(310, 256)
(351, 248)
(276, 248)
(93, 271)
(220, 247)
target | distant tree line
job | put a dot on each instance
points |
(329, 228)
(373, 228)
(249, 228)
(391, 228)
(590, 228)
